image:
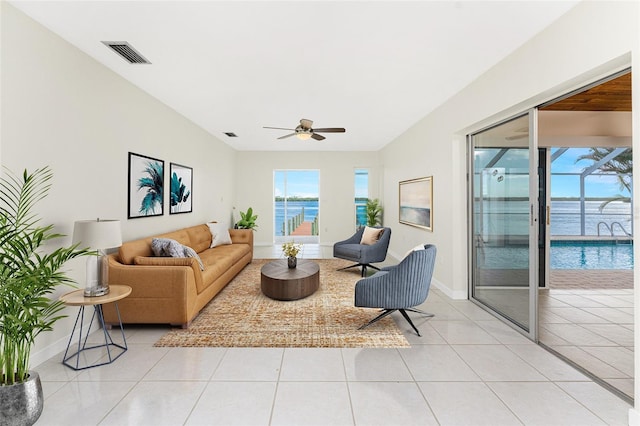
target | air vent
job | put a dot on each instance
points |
(127, 52)
(231, 134)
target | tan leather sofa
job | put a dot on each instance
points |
(168, 290)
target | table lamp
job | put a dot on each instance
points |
(97, 235)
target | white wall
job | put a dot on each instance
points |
(567, 55)
(61, 108)
(254, 188)
(593, 40)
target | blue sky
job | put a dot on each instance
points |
(602, 186)
(306, 183)
(569, 186)
(299, 183)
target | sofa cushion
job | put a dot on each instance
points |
(162, 261)
(219, 234)
(371, 235)
(181, 236)
(219, 260)
(129, 250)
(199, 237)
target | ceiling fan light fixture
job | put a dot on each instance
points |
(303, 135)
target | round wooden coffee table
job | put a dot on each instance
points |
(279, 282)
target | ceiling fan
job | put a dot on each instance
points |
(304, 131)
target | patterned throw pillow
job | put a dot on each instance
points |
(189, 252)
(171, 248)
(166, 247)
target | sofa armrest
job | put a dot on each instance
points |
(242, 236)
(155, 280)
(172, 262)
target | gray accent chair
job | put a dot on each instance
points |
(364, 255)
(400, 287)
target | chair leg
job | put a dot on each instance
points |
(368, 265)
(418, 311)
(348, 267)
(406, 316)
(384, 313)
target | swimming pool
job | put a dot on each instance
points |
(565, 254)
(591, 254)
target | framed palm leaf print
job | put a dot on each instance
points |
(181, 183)
(146, 186)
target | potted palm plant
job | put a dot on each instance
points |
(374, 212)
(28, 275)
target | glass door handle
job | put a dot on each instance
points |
(531, 215)
(548, 215)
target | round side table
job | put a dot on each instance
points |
(77, 298)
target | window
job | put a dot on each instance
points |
(361, 190)
(296, 205)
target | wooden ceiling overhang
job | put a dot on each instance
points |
(612, 95)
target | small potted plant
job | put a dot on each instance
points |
(291, 250)
(247, 220)
(29, 273)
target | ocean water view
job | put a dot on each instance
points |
(294, 208)
(565, 216)
(614, 220)
(311, 209)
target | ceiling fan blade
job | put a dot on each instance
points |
(306, 124)
(330, 130)
(317, 136)
(277, 128)
(286, 136)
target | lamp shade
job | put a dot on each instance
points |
(97, 234)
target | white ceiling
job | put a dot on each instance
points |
(375, 68)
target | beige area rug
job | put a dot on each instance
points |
(241, 316)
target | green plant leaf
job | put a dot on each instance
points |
(28, 274)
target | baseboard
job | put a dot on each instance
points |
(49, 352)
(452, 294)
(634, 417)
(55, 348)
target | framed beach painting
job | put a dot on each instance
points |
(146, 186)
(416, 202)
(181, 182)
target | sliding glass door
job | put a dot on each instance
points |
(503, 202)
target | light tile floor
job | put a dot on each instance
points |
(594, 329)
(467, 369)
